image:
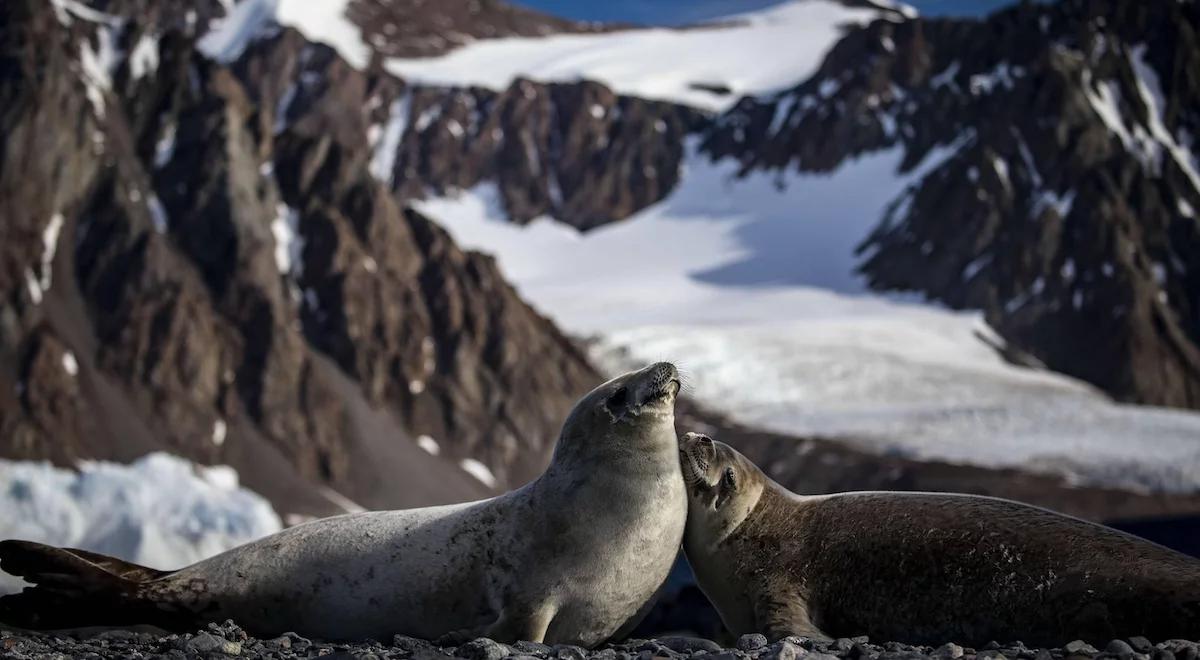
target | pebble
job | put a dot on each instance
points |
(1118, 648)
(534, 648)
(690, 645)
(569, 652)
(1141, 645)
(118, 635)
(1080, 647)
(483, 649)
(296, 641)
(783, 650)
(858, 651)
(751, 642)
(409, 644)
(210, 643)
(949, 650)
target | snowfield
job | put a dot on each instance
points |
(755, 52)
(748, 54)
(749, 286)
(161, 511)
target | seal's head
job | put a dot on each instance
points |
(723, 486)
(631, 410)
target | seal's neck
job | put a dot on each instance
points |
(646, 446)
(708, 529)
(619, 470)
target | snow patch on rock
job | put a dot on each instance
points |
(289, 244)
(429, 445)
(479, 471)
(385, 148)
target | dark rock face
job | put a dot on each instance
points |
(424, 28)
(182, 268)
(1077, 233)
(576, 152)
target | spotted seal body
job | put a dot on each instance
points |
(920, 568)
(570, 558)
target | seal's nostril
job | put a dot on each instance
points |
(664, 371)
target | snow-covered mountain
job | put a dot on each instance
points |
(975, 162)
(237, 236)
(1065, 209)
(748, 284)
(182, 271)
(1060, 181)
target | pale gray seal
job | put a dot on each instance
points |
(920, 568)
(572, 557)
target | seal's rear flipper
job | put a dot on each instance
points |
(73, 588)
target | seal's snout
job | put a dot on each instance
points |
(661, 381)
(664, 370)
(696, 453)
(651, 390)
(698, 447)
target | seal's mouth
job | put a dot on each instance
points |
(694, 453)
(668, 390)
(650, 392)
(692, 470)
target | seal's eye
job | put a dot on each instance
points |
(729, 479)
(619, 398)
(728, 488)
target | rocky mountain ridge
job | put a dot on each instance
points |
(180, 274)
(1055, 177)
(1056, 180)
(1062, 196)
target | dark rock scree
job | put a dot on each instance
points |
(228, 640)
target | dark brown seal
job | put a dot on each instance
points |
(920, 568)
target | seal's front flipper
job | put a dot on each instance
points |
(778, 620)
(73, 588)
(523, 623)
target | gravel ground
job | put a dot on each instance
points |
(229, 640)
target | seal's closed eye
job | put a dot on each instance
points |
(728, 488)
(729, 480)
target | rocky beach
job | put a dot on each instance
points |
(229, 640)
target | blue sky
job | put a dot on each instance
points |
(666, 12)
